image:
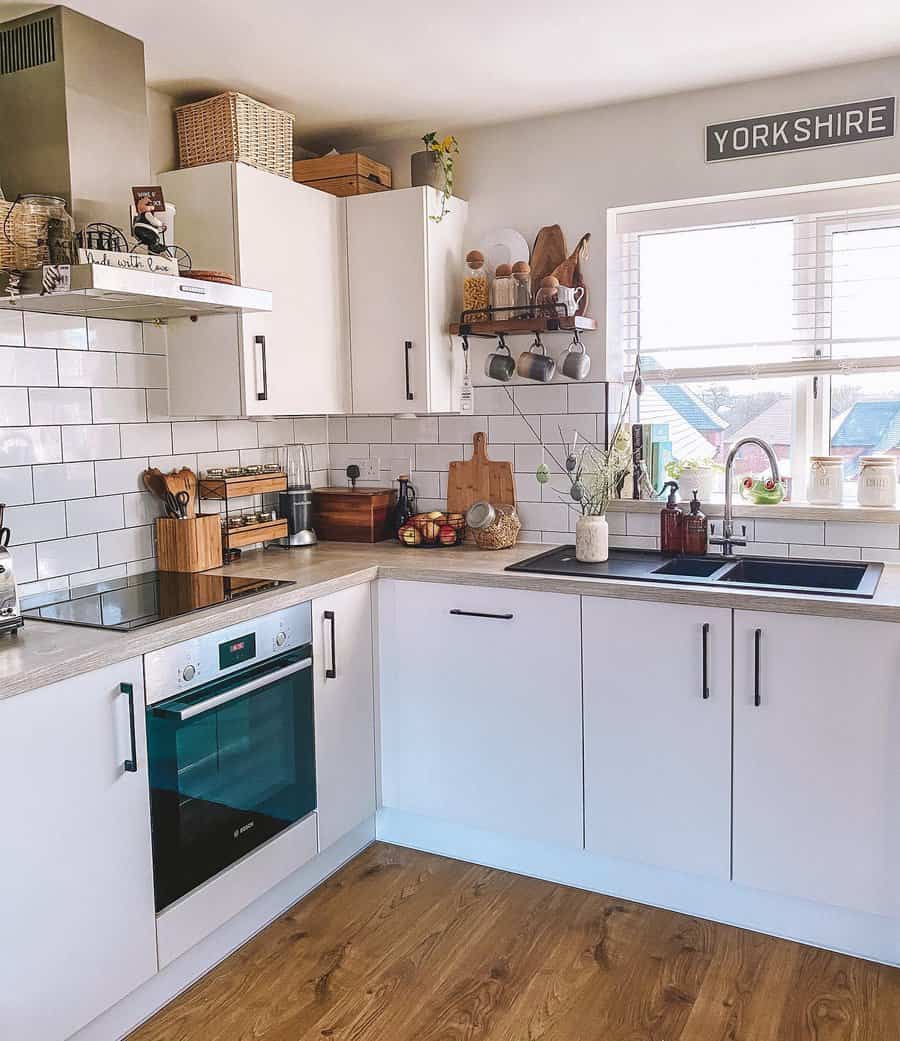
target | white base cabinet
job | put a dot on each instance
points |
(77, 919)
(480, 708)
(344, 711)
(273, 234)
(657, 734)
(816, 760)
(405, 290)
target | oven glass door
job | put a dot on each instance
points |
(232, 763)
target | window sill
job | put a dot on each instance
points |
(849, 511)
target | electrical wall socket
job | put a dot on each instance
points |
(370, 469)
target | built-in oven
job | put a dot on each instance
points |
(231, 745)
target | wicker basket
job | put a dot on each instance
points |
(234, 128)
(23, 238)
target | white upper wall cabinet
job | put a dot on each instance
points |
(271, 234)
(405, 277)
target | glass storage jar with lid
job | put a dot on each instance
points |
(825, 486)
(521, 278)
(475, 287)
(37, 229)
(502, 296)
(877, 483)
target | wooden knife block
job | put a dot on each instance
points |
(192, 544)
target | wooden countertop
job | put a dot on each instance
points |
(45, 652)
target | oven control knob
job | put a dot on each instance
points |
(280, 639)
(188, 673)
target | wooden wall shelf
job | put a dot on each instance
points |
(235, 487)
(523, 326)
(249, 534)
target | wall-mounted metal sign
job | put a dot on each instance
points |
(794, 131)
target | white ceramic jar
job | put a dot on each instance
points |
(877, 484)
(591, 539)
(826, 480)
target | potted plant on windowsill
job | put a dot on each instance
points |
(694, 474)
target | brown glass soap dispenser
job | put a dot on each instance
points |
(671, 523)
(696, 530)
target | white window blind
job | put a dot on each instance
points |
(788, 295)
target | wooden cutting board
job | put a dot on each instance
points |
(478, 478)
(548, 253)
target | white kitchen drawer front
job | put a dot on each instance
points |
(816, 764)
(480, 694)
(77, 923)
(657, 733)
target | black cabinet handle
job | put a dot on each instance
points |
(130, 765)
(757, 641)
(481, 614)
(331, 674)
(260, 342)
(705, 681)
(407, 347)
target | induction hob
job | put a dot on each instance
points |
(138, 600)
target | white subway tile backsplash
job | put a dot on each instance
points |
(426, 484)
(12, 329)
(52, 406)
(65, 556)
(368, 428)
(155, 338)
(529, 458)
(337, 429)
(100, 574)
(167, 463)
(312, 431)
(633, 542)
(555, 428)
(157, 405)
(237, 433)
(642, 523)
(141, 370)
(119, 475)
(513, 429)
(344, 455)
(422, 430)
(86, 369)
(556, 538)
(120, 547)
(108, 334)
(840, 533)
(544, 516)
(24, 367)
(140, 439)
(200, 436)
(757, 549)
(528, 489)
(15, 485)
(275, 433)
(493, 401)
(140, 567)
(60, 481)
(438, 457)
(22, 446)
(13, 406)
(35, 523)
(88, 442)
(550, 397)
(66, 332)
(84, 516)
(119, 406)
(142, 508)
(207, 459)
(825, 552)
(25, 562)
(811, 532)
(587, 397)
(886, 556)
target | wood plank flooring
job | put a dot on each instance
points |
(405, 946)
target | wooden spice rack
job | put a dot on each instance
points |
(223, 489)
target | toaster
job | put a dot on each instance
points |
(10, 615)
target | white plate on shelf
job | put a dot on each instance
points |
(503, 246)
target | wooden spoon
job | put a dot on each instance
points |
(155, 483)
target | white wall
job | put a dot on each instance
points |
(569, 169)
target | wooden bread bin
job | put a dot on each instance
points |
(353, 514)
(192, 544)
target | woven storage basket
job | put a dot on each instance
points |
(23, 238)
(234, 128)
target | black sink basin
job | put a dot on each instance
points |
(692, 567)
(819, 576)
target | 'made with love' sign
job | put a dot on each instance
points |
(808, 128)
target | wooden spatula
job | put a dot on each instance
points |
(155, 483)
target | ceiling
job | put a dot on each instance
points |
(354, 69)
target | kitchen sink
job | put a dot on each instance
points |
(775, 574)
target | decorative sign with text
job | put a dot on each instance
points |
(794, 131)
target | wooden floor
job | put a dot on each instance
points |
(404, 946)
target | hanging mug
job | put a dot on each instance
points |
(536, 364)
(500, 365)
(574, 361)
(570, 299)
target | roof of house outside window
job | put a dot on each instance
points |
(774, 424)
(870, 425)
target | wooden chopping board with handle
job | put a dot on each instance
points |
(479, 478)
(548, 253)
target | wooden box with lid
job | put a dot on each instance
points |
(343, 175)
(353, 514)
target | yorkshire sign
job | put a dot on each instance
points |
(794, 131)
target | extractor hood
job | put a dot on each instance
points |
(98, 291)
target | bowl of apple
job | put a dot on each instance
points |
(433, 530)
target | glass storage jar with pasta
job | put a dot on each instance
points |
(475, 287)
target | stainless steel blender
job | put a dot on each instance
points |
(295, 505)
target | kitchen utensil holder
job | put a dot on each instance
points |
(190, 544)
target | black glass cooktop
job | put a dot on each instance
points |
(129, 603)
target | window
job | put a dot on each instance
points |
(783, 327)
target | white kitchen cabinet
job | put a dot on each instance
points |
(344, 710)
(480, 708)
(273, 234)
(657, 733)
(77, 920)
(405, 289)
(816, 764)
